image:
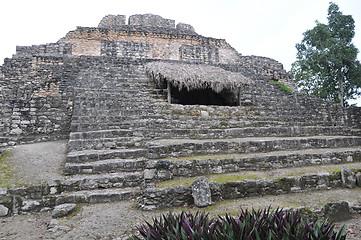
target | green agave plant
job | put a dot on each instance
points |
(263, 224)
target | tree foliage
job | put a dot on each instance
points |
(327, 64)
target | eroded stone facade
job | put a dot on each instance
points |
(91, 87)
(37, 83)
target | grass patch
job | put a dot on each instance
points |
(76, 211)
(176, 182)
(219, 178)
(333, 170)
(223, 123)
(205, 157)
(223, 178)
(6, 169)
(282, 86)
(7, 172)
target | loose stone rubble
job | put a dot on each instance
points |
(63, 210)
(337, 211)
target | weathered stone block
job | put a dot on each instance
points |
(63, 210)
(5, 198)
(4, 211)
(151, 20)
(358, 179)
(348, 178)
(338, 211)
(201, 192)
(185, 27)
(30, 205)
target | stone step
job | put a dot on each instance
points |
(99, 155)
(110, 139)
(101, 134)
(178, 192)
(109, 112)
(120, 84)
(105, 166)
(122, 100)
(156, 122)
(97, 196)
(91, 94)
(185, 147)
(216, 164)
(96, 181)
(149, 108)
(83, 91)
(222, 132)
(105, 143)
(273, 174)
(141, 127)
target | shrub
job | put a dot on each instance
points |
(282, 87)
(250, 225)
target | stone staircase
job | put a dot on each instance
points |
(105, 165)
(125, 139)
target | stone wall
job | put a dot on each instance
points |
(151, 20)
(36, 84)
(40, 197)
(162, 170)
(203, 54)
(158, 198)
(259, 68)
(46, 196)
(43, 50)
(164, 45)
(36, 93)
(164, 40)
(125, 49)
(353, 117)
(182, 27)
(112, 21)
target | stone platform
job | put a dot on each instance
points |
(127, 134)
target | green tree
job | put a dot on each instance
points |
(327, 64)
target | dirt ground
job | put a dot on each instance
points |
(43, 161)
(119, 220)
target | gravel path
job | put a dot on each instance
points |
(119, 220)
(39, 162)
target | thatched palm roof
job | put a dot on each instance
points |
(195, 76)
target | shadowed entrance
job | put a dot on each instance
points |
(204, 97)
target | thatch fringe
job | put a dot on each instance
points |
(195, 76)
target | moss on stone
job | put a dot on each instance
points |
(219, 178)
(205, 157)
(223, 178)
(223, 123)
(76, 211)
(333, 171)
(334, 176)
(6, 169)
(282, 87)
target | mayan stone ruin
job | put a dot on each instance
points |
(148, 106)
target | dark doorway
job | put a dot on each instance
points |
(204, 97)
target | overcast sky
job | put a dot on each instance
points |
(268, 28)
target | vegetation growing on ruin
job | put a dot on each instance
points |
(6, 169)
(255, 224)
(219, 178)
(205, 157)
(282, 86)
